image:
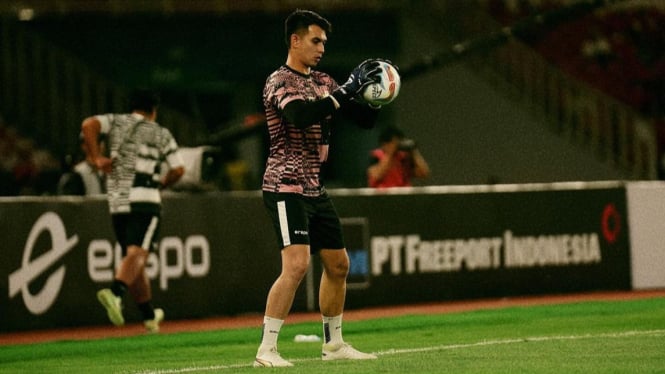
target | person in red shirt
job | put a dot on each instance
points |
(396, 162)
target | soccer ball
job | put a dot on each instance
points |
(387, 89)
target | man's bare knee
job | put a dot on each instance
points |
(295, 262)
(335, 263)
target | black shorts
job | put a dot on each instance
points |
(304, 220)
(140, 229)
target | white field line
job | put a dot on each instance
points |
(484, 343)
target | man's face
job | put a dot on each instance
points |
(311, 46)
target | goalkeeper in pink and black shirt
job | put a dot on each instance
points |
(300, 104)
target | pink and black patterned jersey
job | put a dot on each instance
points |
(296, 155)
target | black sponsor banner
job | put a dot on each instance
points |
(429, 247)
(216, 256)
(217, 253)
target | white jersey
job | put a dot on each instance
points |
(92, 179)
(138, 147)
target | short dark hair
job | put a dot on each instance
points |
(301, 19)
(389, 133)
(143, 99)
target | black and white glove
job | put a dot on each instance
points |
(370, 70)
(362, 75)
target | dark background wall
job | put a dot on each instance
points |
(212, 67)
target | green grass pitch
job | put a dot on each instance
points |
(584, 337)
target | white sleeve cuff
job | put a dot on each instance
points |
(335, 102)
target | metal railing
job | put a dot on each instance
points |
(46, 92)
(614, 131)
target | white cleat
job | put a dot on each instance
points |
(113, 306)
(270, 359)
(152, 325)
(343, 351)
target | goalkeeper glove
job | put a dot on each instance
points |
(362, 75)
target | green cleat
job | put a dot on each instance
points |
(113, 306)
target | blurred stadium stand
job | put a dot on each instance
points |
(595, 70)
(65, 59)
(612, 61)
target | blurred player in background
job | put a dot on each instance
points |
(396, 162)
(138, 147)
(299, 104)
(83, 178)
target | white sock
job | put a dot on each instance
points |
(332, 329)
(271, 327)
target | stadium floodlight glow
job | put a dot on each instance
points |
(26, 14)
